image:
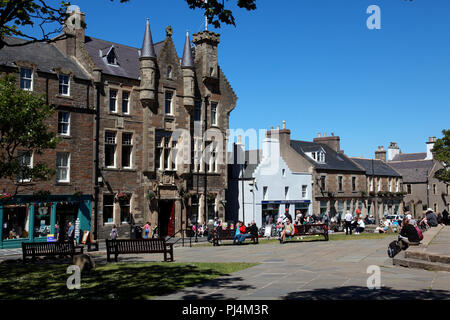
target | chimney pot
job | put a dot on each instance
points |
(319, 135)
(284, 124)
(324, 134)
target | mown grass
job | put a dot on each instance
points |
(108, 281)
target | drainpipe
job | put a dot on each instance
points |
(97, 83)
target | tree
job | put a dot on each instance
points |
(23, 128)
(441, 152)
(16, 14)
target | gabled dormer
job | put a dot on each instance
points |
(318, 155)
(109, 56)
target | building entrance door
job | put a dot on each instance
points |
(166, 218)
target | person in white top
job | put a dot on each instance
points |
(361, 226)
(348, 222)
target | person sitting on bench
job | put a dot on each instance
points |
(240, 233)
(287, 231)
(252, 230)
(408, 234)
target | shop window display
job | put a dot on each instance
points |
(42, 221)
(15, 223)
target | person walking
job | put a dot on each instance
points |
(70, 232)
(147, 228)
(114, 233)
(348, 222)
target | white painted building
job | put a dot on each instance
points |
(269, 186)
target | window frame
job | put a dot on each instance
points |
(124, 146)
(106, 143)
(170, 113)
(31, 79)
(115, 100)
(127, 100)
(214, 106)
(67, 167)
(63, 84)
(21, 153)
(64, 123)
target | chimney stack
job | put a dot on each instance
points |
(393, 151)
(380, 154)
(430, 145)
(333, 141)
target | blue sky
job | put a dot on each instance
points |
(315, 64)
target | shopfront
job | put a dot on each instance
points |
(27, 219)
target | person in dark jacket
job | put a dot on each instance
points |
(408, 234)
(431, 218)
(445, 216)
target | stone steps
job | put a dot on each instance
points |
(420, 256)
(403, 261)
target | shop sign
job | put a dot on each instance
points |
(50, 238)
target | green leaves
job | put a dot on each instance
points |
(23, 127)
(441, 152)
(215, 10)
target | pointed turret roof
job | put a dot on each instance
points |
(187, 61)
(148, 50)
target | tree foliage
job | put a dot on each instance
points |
(17, 14)
(441, 152)
(23, 127)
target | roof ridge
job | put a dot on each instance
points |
(120, 44)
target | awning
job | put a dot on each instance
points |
(284, 201)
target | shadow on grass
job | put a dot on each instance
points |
(111, 281)
(363, 293)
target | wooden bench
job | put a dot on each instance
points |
(309, 230)
(220, 234)
(126, 246)
(47, 249)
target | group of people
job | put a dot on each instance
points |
(61, 236)
(351, 223)
(243, 232)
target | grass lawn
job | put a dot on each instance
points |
(108, 281)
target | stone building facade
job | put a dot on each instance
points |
(158, 115)
(422, 190)
(32, 213)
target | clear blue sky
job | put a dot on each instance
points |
(315, 64)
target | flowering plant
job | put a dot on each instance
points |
(151, 195)
(122, 196)
(5, 196)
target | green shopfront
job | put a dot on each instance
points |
(25, 218)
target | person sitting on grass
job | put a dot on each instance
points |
(287, 231)
(360, 225)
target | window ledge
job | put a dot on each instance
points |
(63, 183)
(61, 96)
(64, 136)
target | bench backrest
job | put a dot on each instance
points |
(136, 245)
(306, 228)
(220, 233)
(42, 248)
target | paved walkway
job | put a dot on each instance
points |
(308, 270)
(441, 243)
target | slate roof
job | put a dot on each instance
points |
(45, 55)
(333, 160)
(127, 57)
(413, 171)
(410, 156)
(380, 168)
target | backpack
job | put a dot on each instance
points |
(393, 249)
(419, 232)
